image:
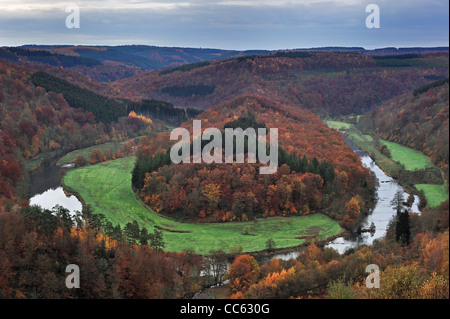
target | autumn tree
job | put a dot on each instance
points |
(243, 272)
(80, 161)
(339, 289)
(212, 194)
(351, 211)
(96, 156)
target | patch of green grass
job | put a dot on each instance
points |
(362, 138)
(107, 188)
(411, 159)
(338, 125)
(435, 194)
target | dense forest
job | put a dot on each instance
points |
(36, 245)
(161, 110)
(105, 110)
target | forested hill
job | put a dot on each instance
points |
(317, 171)
(326, 83)
(108, 63)
(419, 120)
(107, 109)
(36, 123)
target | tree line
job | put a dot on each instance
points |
(161, 110)
(53, 59)
(426, 87)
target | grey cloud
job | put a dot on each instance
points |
(233, 24)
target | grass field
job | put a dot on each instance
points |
(435, 194)
(338, 125)
(362, 138)
(107, 187)
(411, 159)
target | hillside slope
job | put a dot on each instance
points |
(35, 123)
(418, 121)
(326, 83)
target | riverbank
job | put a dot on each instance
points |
(413, 170)
(383, 212)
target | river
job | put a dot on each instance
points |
(383, 211)
(47, 192)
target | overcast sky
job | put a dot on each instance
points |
(227, 24)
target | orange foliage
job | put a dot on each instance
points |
(141, 117)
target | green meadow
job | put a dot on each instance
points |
(411, 159)
(107, 188)
(435, 194)
(338, 125)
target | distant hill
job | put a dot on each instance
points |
(109, 63)
(328, 83)
(380, 51)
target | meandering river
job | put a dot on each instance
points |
(47, 192)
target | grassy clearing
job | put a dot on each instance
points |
(338, 125)
(400, 155)
(107, 187)
(362, 138)
(435, 194)
(411, 159)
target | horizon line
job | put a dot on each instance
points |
(228, 49)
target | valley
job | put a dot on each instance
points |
(414, 170)
(87, 176)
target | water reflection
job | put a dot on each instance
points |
(46, 191)
(56, 196)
